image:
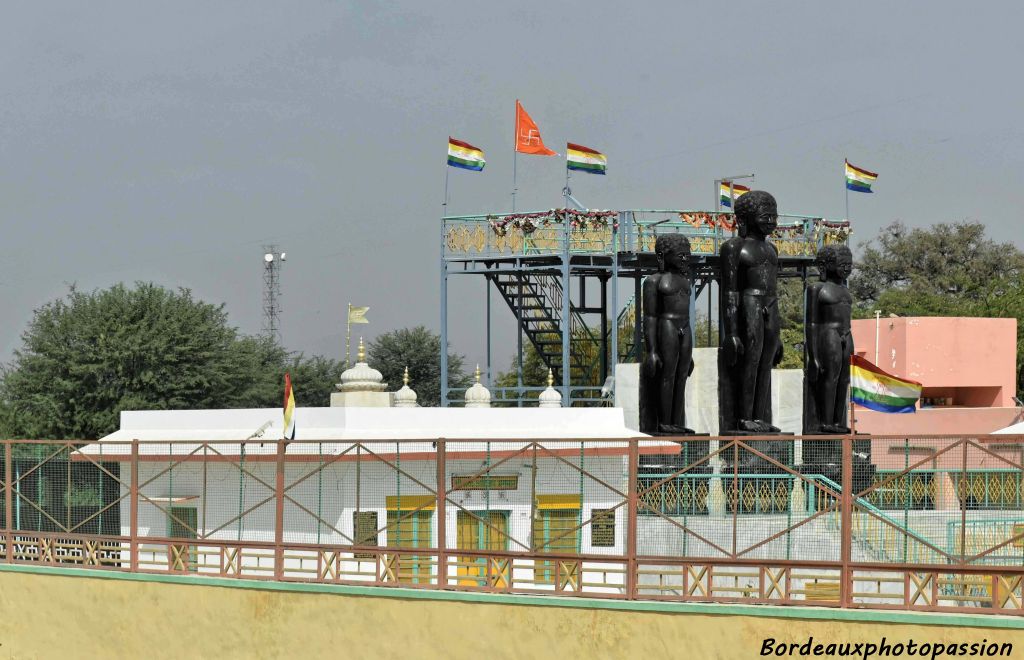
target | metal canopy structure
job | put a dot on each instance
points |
(560, 272)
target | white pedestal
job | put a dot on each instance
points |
(361, 399)
(627, 393)
(702, 395)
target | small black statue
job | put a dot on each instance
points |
(751, 344)
(829, 341)
(669, 362)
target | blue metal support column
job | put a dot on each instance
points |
(487, 285)
(566, 320)
(604, 329)
(615, 289)
(519, 340)
(444, 323)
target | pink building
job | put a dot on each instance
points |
(967, 367)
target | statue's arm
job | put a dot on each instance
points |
(810, 329)
(731, 343)
(650, 304)
(780, 351)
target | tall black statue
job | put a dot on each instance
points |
(669, 361)
(828, 342)
(750, 318)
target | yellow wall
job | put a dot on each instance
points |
(62, 615)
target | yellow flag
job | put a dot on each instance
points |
(357, 314)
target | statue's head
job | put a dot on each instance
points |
(756, 210)
(673, 252)
(836, 260)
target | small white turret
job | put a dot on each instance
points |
(478, 396)
(362, 386)
(405, 397)
(550, 398)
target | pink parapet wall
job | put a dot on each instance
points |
(960, 361)
(966, 365)
(937, 421)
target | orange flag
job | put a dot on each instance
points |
(528, 140)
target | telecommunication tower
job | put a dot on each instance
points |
(272, 262)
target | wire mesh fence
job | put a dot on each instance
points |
(908, 522)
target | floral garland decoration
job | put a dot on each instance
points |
(528, 223)
(789, 231)
(700, 219)
(830, 234)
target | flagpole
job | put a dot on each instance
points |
(515, 160)
(348, 335)
(515, 155)
(565, 191)
(847, 189)
(444, 204)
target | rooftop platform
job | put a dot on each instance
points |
(509, 237)
(558, 272)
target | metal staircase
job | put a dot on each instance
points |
(539, 296)
(629, 350)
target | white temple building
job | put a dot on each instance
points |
(364, 472)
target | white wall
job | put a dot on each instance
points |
(336, 486)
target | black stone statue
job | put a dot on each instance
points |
(668, 338)
(828, 345)
(828, 342)
(749, 307)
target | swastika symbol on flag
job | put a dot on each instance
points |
(530, 137)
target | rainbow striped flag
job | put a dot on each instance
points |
(289, 408)
(464, 155)
(859, 180)
(877, 390)
(737, 190)
(584, 159)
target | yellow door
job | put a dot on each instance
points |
(556, 531)
(411, 529)
(482, 530)
(410, 525)
(182, 524)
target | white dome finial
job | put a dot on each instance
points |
(362, 377)
(478, 396)
(550, 398)
(405, 397)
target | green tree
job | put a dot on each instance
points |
(313, 379)
(419, 349)
(943, 270)
(933, 271)
(88, 356)
(703, 338)
(535, 372)
(791, 315)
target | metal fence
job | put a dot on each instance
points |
(931, 523)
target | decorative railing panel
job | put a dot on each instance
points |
(556, 231)
(731, 519)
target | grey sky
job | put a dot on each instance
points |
(169, 141)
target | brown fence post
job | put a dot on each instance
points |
(134, 504)
(279, 514)
(8, 512)
(963, 504)
(846, 526)
(442, 516)
(631, 524)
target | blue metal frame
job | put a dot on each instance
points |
(629, 233)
